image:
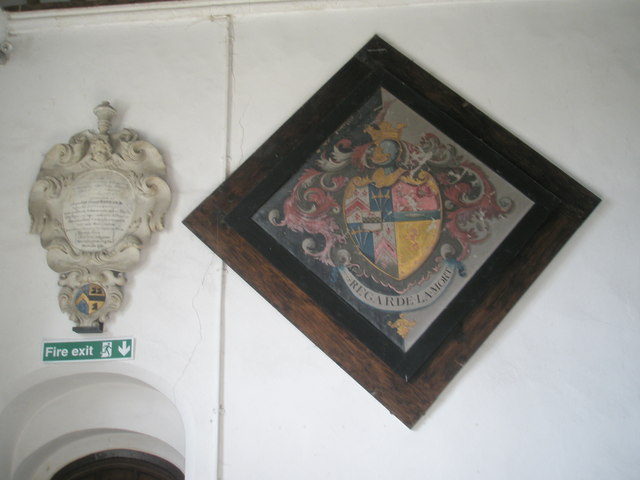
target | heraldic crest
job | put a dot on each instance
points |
(393, 216)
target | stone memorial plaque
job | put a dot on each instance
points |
(95, 203)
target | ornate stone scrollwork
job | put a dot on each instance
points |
(5, 52)
(95, 203)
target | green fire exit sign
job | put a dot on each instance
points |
(81, 350)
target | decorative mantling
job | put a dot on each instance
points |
(95, 203)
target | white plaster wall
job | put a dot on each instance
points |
(552, 394)
(168, 81)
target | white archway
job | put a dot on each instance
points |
(63, 419)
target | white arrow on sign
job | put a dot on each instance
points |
(124, 348)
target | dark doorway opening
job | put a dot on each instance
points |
(119, 465)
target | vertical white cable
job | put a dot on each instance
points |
(223, 277)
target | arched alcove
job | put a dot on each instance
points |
(120, 465)
(63, 419)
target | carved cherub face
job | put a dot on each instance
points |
(101, 150)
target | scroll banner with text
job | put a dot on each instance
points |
(422, 296)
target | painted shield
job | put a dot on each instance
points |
(90, 298)
(395, 227)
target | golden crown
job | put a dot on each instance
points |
(384, 131)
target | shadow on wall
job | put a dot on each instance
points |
(63, 419)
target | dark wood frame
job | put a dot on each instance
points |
(407, 386)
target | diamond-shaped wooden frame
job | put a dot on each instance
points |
(407, 384)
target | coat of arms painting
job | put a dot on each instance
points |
(393, 223)
(393, 215)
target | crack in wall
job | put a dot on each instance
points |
(197, 344)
